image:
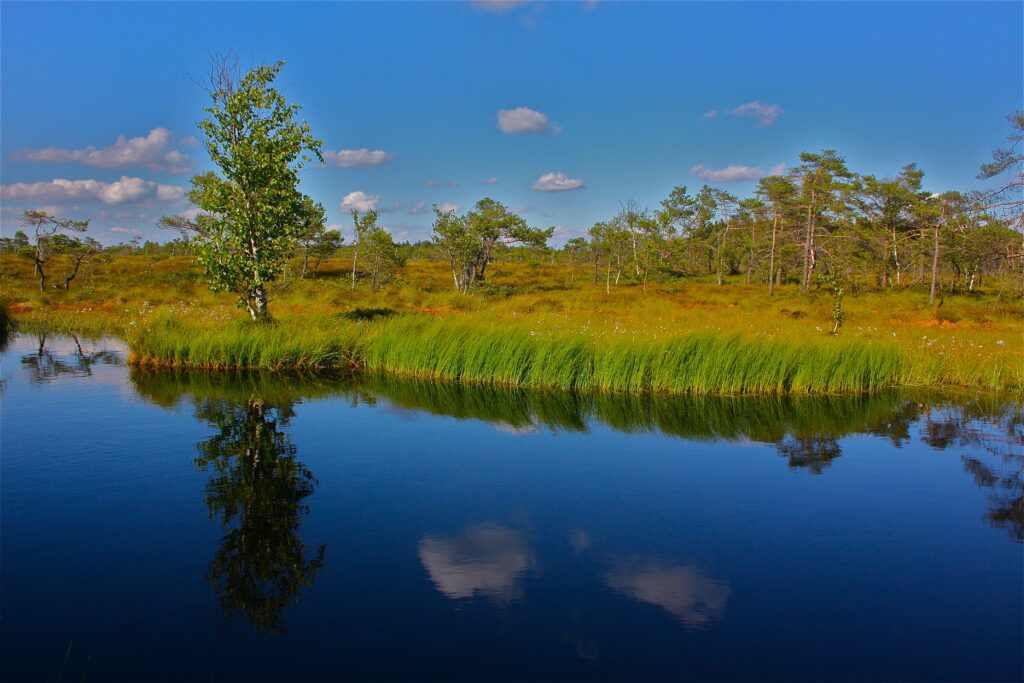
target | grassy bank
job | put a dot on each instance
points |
(429, 348)
(532, 326)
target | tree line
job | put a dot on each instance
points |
(820, 224)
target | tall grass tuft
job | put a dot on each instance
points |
(425, 347)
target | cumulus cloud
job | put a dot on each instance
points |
(556, 182)
(450, 207)
(763, 114)
(346, 158)
(497, 6)
(129, 231)
(123, 191)
(524, 120)
(729, 174)
(152, 151)
(359, 201)
(440, 183)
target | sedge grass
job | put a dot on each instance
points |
(425, 347)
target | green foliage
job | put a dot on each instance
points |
(49, 237)
(362, 226)
(468, 242)
(383, 256)
(315, 240)
(254, 211)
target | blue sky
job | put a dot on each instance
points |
(605, 101)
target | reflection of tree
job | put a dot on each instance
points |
(993, 462)
(256, 491)
(812, 452)
(45, 364)
(807, 431)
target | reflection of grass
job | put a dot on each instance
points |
(764, 418)
(6, 325)
(971, 340)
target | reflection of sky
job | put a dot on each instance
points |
(66, 349)
(76, 457)
(486, 559)
(683, 591)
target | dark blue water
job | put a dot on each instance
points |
(178, 526)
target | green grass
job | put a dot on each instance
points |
(538, 330)
(425, 347)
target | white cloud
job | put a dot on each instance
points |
(523, 209)
(129, 231)
(556, 182)
(123, 191)
(449, 207)
(497, 6)
(359, 201)
(489, 181)
(524, 120)
(729, 174)
(777, 169)
(418, 208)
(346, 158)
(710, 114)
(440, 183)
(763, 114)
(151, 151)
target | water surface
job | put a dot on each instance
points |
(190, 526)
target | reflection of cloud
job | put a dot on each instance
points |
(486, 559)
(683, 591)
(506, 428)
(579, 540)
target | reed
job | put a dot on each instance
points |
(425, 347)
